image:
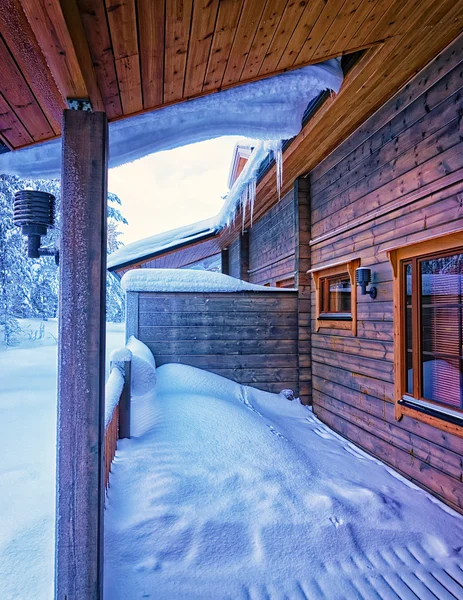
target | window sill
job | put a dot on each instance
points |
(335, 317)
(447, 419)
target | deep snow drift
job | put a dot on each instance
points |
(27, 460)
(228, 492)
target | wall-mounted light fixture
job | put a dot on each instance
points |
(363, 278)
(34, 212)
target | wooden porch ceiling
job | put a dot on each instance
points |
(128, 56)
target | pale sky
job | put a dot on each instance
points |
(173, 188)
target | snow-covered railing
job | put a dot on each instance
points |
(117, 405)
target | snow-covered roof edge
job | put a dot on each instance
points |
(306, 84)
(156, 244)
(188, 280)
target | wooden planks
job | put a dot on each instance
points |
(224, 34)
(363, 92)
(95, 24)
(123, 28)
(58, 29)
(151, 19)
(200, 41)
(177, 30)
(250, 337)
(246, 30)
(137, 55)
(396, 180)
(19, 96)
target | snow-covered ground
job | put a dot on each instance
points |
(27, 460)
(227, 492)
(223, 492)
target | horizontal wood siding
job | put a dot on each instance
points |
(234, 263)
(249, 337)
(272, 243)
(398, 179)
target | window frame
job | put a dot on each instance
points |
(331, 320)
(406, 404)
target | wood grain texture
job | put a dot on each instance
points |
(202, 31)
(249, 337)
(95, 24)
(224, 34)
(151, 20)
(397, 180)
(137, 55)
(81, 358)
(124, 36)
(177, 31)
(19, 96)
(20, 39)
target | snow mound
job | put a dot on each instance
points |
(113, 391)
(229, 492)
(270, 109)
(186, 280)
(143, 367)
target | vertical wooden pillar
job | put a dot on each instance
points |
(303, 284)
(244, 256)
(81, 358)
(225, 261)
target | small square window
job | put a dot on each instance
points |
(336, 296)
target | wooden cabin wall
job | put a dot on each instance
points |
(177, 259)
(249, 337)
(396, 180)
(272, 243)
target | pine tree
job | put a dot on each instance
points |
(29, 287)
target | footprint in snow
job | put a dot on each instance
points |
(336, 521)
(323, 434)
(275, 432)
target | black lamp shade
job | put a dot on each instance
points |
(363, 276)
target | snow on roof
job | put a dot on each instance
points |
(161, 241)
(269, 109)
(186, 280)
(275, 108)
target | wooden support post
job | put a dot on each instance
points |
(81, 358)
(244, 256)
(124, 402)
(303, 284)
(225, 262)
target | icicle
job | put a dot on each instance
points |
(244, 201)
(252, 195)
(278, 154)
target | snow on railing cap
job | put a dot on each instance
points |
(121, 355)
(186, 280)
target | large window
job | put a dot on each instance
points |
(336, 296)
(429, 327)
(433, 328)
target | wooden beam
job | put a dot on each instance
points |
(225, 261)
(58, 28)
(81, 358)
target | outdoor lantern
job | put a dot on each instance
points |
(363, 278)
(34, 212)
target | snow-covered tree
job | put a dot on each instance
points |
(29, 287)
